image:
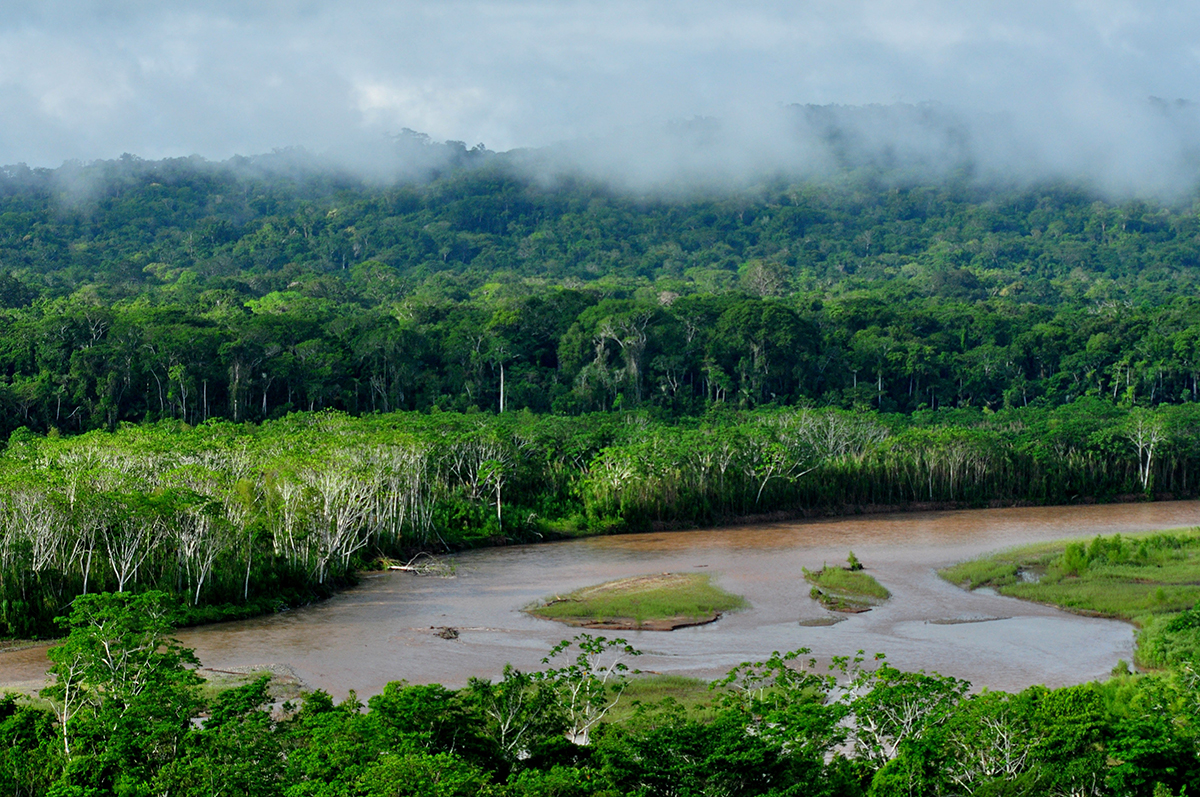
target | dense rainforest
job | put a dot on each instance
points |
(226, 386)
(136, 290)
(238, 381)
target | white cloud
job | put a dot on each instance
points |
(94, 78)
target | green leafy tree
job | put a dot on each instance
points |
(590, 681)
(123, 690)
(235, 752)
(30, 752)
(519, 711)
(894, 708)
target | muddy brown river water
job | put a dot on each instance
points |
(383, 630)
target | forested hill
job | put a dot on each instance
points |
(135, 290)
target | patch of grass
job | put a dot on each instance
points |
(842, 589)
(693, 694)
(21, 698)
(980, 572)
(854, 583)
(283, 684)
(641, 599)
(216, 681)
(1146, 579)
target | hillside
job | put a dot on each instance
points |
(137, 290)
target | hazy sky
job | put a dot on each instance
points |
(83, 79)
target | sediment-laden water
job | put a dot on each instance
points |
(384, 630)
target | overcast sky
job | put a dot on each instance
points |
(82, 79)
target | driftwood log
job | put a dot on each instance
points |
(426, 564)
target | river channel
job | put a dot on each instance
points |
(383, 630)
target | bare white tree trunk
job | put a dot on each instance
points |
(128, 540)
(1145, 431)
(344, 504)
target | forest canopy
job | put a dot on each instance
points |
(240, 381)
(182, 289)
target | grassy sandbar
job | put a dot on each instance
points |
(843, 590)
(1146, 579)
(658, 602)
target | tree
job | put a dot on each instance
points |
(1072, 735)
(235, 753)
(782, 699)
(342, 505)
(790, 445)
(123, 692)
(591, 681)
(29, 762)
(133, 523)
(420, 774)
(895, 707)
(519, 711)
(990, 740)
(1144, 430)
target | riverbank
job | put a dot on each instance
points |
(382, 630)
(193, 616)
(823, 512)
(223, 515)
(1151, 580)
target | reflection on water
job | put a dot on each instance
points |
(382, 630)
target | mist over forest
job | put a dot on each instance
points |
(1153, 155)
(418, 290)
(638, 96)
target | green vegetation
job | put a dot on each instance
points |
(1150, 580)
(652, 602)
(851, 582)
(238, 519)
(994, 571)
(693, 695)
(239, 382)
(187, 290)
(225, 387)
(281, 683)
(120, 721)
(845, 589)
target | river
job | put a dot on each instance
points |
(383, 629)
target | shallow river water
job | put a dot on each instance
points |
(383, 630)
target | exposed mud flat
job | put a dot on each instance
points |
(821, 622)
(965, 620)
(633, 624)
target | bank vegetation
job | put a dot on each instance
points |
(236, 519)
(1150, 580)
